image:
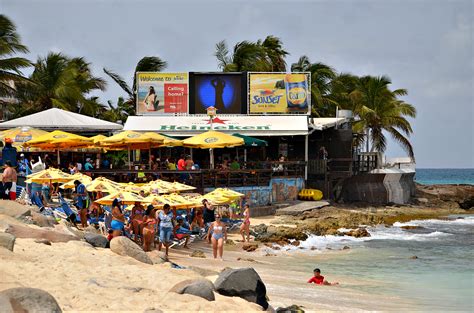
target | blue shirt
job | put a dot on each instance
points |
(165, 219)
(88, 166)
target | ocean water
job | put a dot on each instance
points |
(440, 279)
(432, 176)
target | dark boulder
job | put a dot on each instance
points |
(197, 287)
(96, 240)
(291, 309)
(250, 246)
(29, 300)
(359, 232)
(244, 283)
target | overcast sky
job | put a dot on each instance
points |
(423, 46)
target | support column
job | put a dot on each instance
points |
(306, 141)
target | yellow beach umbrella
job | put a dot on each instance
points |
(131, 187)
(174, 200)
(59, 140)
(131, 140)
(78, 176)
(98, 138)
(20, 135)
(181, 187)
(161, 186)
(213, 139)
(103, 184)
(215, 199)
(166, 141)
(125, 196)
(51, 175)
(227, 193)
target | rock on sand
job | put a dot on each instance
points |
(13, 209)
(244, 283)
(198, 287)
(29, 232)
(96, 240)
(28, 300)
(124, 246)
(7, 241)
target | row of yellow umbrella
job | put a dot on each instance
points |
(59, 140)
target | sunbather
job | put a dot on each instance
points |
(148, 224)
(182, 231)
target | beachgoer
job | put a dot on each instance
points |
(9, 179)
(171, 165)
(82, 202)
(149, 222)
(245, 227)
(182, 163)
(208, 212)
(136, 218)
(118, 219)
(166, 227)
(110, 235)
(217, 234)
(189, 163)
(24, 166)
(323, 153)
(318, 279)
(182, 230)
(88, 166)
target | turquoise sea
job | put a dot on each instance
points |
(439, 279)
(432, 176)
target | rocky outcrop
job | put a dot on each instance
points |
(157, 257)
(357, 233)
(96, 240)
(7, 241)
(197, 287)
(244, 283)
(291, 309)
(28, 300)
(125, 247)
(29, 232)
(250, 246)
(42, 220)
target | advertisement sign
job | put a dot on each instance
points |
(224, 91)
(162, 93)
(284, 93)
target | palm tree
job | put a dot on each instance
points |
(379, 110)
(61, 82)
(10, 66)
(146, 64)
(321, 77)
(117, 113)
(261, 56)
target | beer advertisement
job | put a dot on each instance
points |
(162, 93)
(279, 93)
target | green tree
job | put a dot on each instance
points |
(378, 110)
(61, 82)
(146, 64)
(261, 56)
(10, 65)
(323, 105)
(117, 113)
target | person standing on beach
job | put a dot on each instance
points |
(9, 178)
(208, 212)
(82, 202)
(165, 218)
(245, 227)
(217, 234)
(118, 219)
(318, 279)
(149, 222)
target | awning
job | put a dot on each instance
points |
(322, 123)
(249, 125)
(57, 119)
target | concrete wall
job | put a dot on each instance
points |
(280, 190)
(380, 188)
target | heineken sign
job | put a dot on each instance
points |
(249, 125)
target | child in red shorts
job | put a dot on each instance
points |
(318, 279)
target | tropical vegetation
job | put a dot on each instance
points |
(67, 82)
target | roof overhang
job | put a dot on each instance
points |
(322, 123)
(249, 125)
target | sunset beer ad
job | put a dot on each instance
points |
(283, 93)
(162, 93)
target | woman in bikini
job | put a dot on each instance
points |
(148, 224)
(136, 218)
(245, 227)
(118, 219)
(217, 234)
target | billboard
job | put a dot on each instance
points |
(224, 91)
(162, 93)
(279, 93)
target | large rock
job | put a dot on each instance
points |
(291, 309)
(197, 287)
(96, 240)
(28, 300)
(29, 232)
(124, 246)
(244, 283)
(42, 220)
(13, 209)
(250, 246)
(7, 241)
(157, 257)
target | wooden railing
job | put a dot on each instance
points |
(204, 178)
